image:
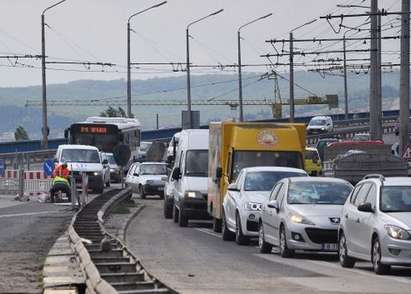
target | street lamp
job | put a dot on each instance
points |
(190, 118)
(240, 81)
(129, 114)
(45, 128)
(292, 68)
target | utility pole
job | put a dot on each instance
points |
(45, 128)
(129, 114)
(190, 117)
(345, 79)
(379, 76)
(291, 79)
(157, 122)
(405, 76)
(240, 80)
(375, 118)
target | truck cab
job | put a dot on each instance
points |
(234, 146)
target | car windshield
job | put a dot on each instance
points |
(265, 180)
(317, 192)
(318, 122)
(311, 155)
(243, 159)
(110, 159)
(153, 169)
(197, 163)
(80, 155)
(396, 199)
(144, 146)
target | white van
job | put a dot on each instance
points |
(320, 124)
(83, 158)
(187, 196)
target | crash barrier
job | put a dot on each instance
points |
(86, 225)
(25, 183)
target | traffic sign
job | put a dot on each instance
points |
(48, 167)
(2, 167)
(407, 153)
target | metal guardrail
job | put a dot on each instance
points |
(110, 262)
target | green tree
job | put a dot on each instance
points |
(21, 134)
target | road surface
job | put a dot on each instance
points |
(197, 260)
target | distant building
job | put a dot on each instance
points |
(6, 137)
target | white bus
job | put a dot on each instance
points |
(105, 133)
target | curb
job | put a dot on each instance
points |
(129, 220)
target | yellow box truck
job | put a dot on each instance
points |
(236, 145)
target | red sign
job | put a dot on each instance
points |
(407, 153)
(93, 130)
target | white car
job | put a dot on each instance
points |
(147, 178)
(320, 124)
(376, 224)
(244, 198)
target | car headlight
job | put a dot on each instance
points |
(97, 173)
(253, 206)
(299, 219)
(322, 129)
(397, 232)
(193, 194)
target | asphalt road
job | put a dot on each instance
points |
(27, 232)
(197, 260)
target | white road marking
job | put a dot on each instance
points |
(304, 264)
(28, 213)
(209, 232)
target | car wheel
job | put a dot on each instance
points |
(227, 234)
(168, 209)
(175, 214)
(240, 239)
(345, 260)
(379, 268)
(262, 244)
(284, 250)
(141, 192)
(182, 218)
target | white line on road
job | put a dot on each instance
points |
(28, 213)
(209, 232)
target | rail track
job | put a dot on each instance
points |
(116, 265)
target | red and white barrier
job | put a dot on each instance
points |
(36, 183)
(28, 175)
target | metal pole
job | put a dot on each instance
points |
(128, 72)
(190, 121)
(240, 80)
(157, 121)
(379, 79)
(44, 87)
(405, 76)
(291, 78)
(375, 124)
(345, 79)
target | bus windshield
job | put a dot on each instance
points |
(105, 143)
(242, 159)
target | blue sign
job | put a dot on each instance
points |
(2, 167)
(48, 167)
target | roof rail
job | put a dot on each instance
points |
(374, 176)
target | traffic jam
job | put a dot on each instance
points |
(257, 182)
(260, 182)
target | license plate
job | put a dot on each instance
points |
(330, 246)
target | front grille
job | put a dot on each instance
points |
(252, 226)
(321, 236)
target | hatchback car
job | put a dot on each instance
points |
(303, 214)
(244, 198)
(147, 178)
(376, 223)
(320, 124)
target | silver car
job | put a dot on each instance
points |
(376, 223)
(303, 213)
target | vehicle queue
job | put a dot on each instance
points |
(256, 187)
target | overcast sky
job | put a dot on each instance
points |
(95, 30)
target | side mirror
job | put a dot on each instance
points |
(273, 204)
(136, 174)
(176, 175)
(365, 207)
(219, 172)
(105, 162)
(233, 187)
